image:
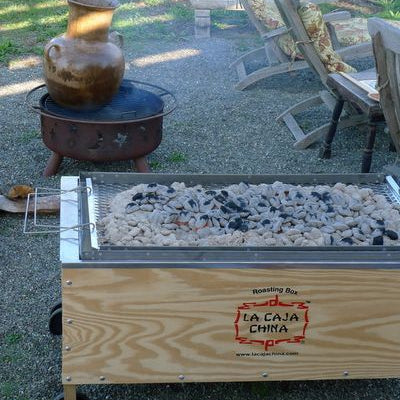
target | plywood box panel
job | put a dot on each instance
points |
(163, 324)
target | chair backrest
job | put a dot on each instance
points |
(386, 44)
(261, 28)
(289, 12)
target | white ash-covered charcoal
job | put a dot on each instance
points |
(275, 214)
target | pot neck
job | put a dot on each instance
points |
(88, 22)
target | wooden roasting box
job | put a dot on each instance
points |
(155, 315)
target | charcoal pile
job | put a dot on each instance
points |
(275, 214)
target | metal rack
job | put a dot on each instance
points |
(104, 186)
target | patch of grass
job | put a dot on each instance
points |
(150, 23)
(155, 165)
(38, 50)
(26, 137)
(305, 125)
(160, 30)
(6, 359)
(8, 389)
(327, 7)
(11, 351)
(153, 3)
(177, 157)
(43, 36)
(390, 15)
(181, 12)
(7, 48)
(229, 18)
(222, 25)
(12, 338)
(11, 357)
(28, 25)
(390, 9)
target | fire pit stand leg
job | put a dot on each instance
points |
(53, 164)
(142, 165)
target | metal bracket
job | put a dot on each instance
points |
(92, 213)
(395, 188)
(34, 226)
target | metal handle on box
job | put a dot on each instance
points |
(40, 228)
(395, 188)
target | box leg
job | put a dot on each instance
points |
(202, 23)
(69, 392)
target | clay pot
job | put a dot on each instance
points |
(84, 67)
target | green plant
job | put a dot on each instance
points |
(7, 47)
(155, 165)
(153, 3)
(6, 359)
(221, 25)
(38, 50)
(177, 157)
(12, 338)
(26, 137)
(305, 125)
(181, 12)
(327, 8)
(8, 389)
(390, 9)
(224, 19)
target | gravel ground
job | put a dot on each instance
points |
(215, 130)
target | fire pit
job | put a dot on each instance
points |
(128, 128)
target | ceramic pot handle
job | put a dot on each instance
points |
(48, 48)
(116, 38)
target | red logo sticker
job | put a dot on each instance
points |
(271, 322)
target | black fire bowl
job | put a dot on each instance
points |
(129, 128)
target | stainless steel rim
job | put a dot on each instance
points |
(106, 185)
(171, 105)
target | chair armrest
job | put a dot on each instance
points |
(356, 51)
(274, 33)
(337, 16)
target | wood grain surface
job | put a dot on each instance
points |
(155, 324)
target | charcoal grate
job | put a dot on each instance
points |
(130, 103)
(105, 192)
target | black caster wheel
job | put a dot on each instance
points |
(79, 396)
(55, 322)
(56, 307)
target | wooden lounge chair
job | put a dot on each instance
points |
(277, 61)
(386, 44)
(289, 13)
